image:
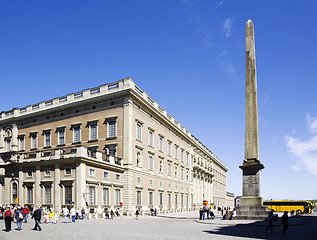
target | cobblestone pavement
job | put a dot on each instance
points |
(173, 226)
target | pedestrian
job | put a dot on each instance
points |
(7, 218)
(270, 221)
(137, 214)
(155, 212)
(26, 212)
(212, 215)
(83, 213)
(111, 214)
(51, 216)
(66, 214)
(19, 217)
(77, 214)
(200, 214)
(204, 213)
(208, 213)
(73, 213)
(285, 221)
(37, 218)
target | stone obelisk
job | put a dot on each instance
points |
(251, 201)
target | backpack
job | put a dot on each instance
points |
(8, 213)
(20, 215)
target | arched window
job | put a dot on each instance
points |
(14, 191)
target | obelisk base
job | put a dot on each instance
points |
(251, 213)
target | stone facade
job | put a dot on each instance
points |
(106, 147)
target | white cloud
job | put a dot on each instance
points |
(305, 152)
(227, 25)
(311, 123)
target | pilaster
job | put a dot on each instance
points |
(80, 185)
(20, 188)
(37, 188)
(57, 188)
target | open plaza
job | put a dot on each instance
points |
(181, 225)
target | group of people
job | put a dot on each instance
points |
(20, 214)
(206, 213)
(271, 218)
(73, 214)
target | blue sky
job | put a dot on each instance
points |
(187, 55)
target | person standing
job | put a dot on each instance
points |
(7, 218)
(19, 217)
(37, 218)
(83, 213)
(270, 221)
(73, 213)
(137, 214)
(285, 221)
(66, 213)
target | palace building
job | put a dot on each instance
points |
(107, 147)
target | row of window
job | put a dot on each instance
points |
(182, 156)
(61, 131)
(160, 199)
(160, 166)
(68, 195)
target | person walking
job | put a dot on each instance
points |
(26, 212)
(19, 217)
(137, 214)
(37, 218)
(7, 214)
(270, 221)
(285, 221)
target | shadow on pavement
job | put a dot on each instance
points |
(305, 231)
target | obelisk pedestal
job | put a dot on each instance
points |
(251, 201)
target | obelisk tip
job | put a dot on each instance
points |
(249, 23)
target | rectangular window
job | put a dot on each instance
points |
(150, 198)
(176, 150)
(182, 200)
(92, 172)
(117, 177)
(112, 129)
(182, 173)
(138, 132)
(176, 199)
(187, 203)
(182, 155)
(161, 166)
(187, 156)
(22, 143)
(161, 144)
(105, 174)
(169, 199)
(8, 145)
(150, 162)
(187, 176)
(151, 138)
(34, 141)
(92, 152)
(92, 197)
(118, 197)
(29, 191)
(68, 195)
(169, 169)
(138, 198)
(161, 198)
(68, 171)
(106, 196)
(176, 171)
(169, 148)
(47, 139)
(93, 132)
(76, 134)
(61, 137)
(48, 194)
(29, 173)
(47, 172)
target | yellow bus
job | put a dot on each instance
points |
(287, 205)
